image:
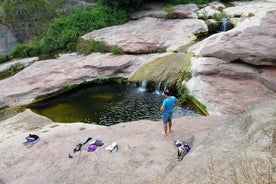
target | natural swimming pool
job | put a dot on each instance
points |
(105, 104)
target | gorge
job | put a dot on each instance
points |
(232, 73)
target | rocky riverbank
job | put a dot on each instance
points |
(233, 75)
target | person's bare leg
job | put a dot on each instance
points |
(170, 127)
(165, 129)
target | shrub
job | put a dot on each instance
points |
(15, 67)
(169, 9)
(63, 32)
(87, 46)
(24, 50)
(116, 50)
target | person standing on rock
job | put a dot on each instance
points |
(168, 105)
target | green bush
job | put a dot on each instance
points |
(68, 29)
(24, 50)
(87, 46)
(4, 58)
(116, 50)
(16, 67)
(169, 9)
(63, 33)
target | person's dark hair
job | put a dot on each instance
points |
(167, 92)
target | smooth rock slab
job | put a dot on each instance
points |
(149, 35)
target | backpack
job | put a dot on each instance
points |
(182, 151)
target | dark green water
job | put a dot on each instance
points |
(106, 104)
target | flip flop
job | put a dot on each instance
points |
(78, 148)
(88, 139)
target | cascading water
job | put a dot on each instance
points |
(143, 86)
(225, 25)
(158, 89)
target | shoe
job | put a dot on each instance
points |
(32, 138)
(115, 149)
(177, 143)
(112, 147)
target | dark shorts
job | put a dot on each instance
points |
(166, 118)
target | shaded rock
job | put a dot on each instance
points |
(149, 34)
(7, 40)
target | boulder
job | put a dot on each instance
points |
(149, 34)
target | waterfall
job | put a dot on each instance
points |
(165, 87)
(143, 86)
(155, 88)
(225, 25)
(158, 89)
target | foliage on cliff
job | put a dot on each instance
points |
(63, 32)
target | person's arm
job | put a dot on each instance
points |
(176, 103)
(161, 109)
